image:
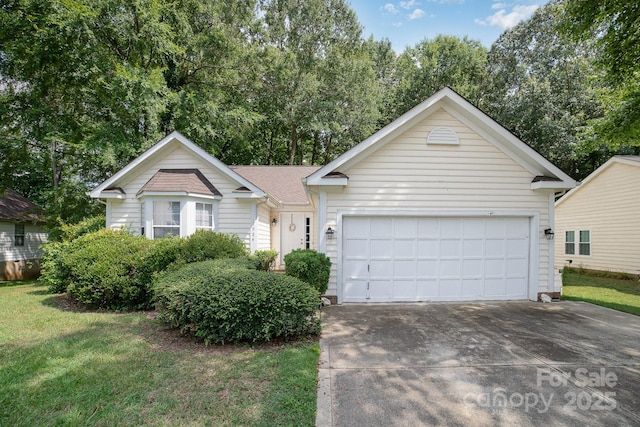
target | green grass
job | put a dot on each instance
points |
(60, 365)
(602, 289)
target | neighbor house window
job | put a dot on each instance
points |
(166, 219)
(19, 235)
(585, 242)
(570, 242)
(204, 216)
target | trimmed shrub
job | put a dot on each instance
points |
(54, 272)
(102, 268)
(68, 232)
(219, 302)
(267, 259)
(309, 266)
(205, 244)
(158, 256)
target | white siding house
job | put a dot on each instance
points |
(597, 223)
(21, 237)
(443, 204)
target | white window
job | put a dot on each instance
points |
(585, 242)
(204, 216)
(570, 242)
(19, 235)
(166, 219)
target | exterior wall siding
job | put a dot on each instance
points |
(608, 207)
(234, 214)
(406, 174)
(20, 262)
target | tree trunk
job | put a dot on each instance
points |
(294, 144)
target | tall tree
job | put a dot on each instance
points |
(542, 88)
(433, 64)
(615, 28)
(315, 75)
(90, 84)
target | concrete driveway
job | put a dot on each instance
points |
(506, 363)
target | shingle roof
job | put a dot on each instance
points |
(180, 180)
(283, 183)
(14, 207)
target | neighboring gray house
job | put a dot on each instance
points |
(443, 204)
(21, 237)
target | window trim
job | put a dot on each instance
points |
(211, 216)
(572, 242)
(19, 238)
(154, 226)
(587, 243)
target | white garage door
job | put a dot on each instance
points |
(434, 259)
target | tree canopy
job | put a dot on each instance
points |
(87, 85)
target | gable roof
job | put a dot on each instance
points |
(549, 176)
(626, 160)
(282, 183)
(188, 181)
(106, 189)
(14, 207)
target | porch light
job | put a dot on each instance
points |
(548, 233)
(330, 232)
(274, 222)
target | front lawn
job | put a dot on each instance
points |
(61, 365)
(616, 293)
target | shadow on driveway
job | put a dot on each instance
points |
(485, 363)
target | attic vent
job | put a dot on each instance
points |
(443, 135)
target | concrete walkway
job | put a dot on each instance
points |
(506, 363)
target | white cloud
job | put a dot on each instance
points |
(389, 7)
(499, 5)
(416, 14)
(409, 4)
(397, 24)
(446, 1)
(506, 20)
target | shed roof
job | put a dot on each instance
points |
(14, 207)
(282, 183)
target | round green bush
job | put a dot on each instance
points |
(220, 304)
(205, 244)
(102, 270)
(309, 266)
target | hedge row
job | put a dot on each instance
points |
(115, 270)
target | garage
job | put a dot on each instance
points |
(388, 259)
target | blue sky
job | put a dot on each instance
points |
(406, 22)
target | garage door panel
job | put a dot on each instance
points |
(495, 248)
(404, 269)
(450, 248)
(451, 228)
(515, 287)
(472, 268)
(516, 267)
(355, 290)
(427, 268)
(381, 290)
(450, 268)
(473, 248)
(357, 248)
(494, 287)
(404, 290)
(472, 288)
(427, 289)
(428, 248)
(450, 288)
(425, 259)
(428, 228)
(381, 228)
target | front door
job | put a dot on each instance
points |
(295, 232)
